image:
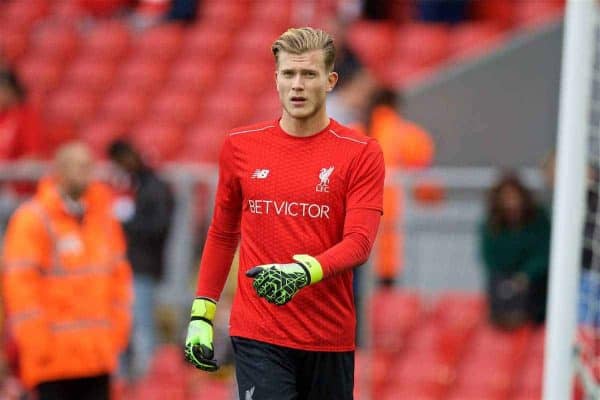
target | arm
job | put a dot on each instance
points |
(364, 207)
(219, 249)
(122, 291)
(536, 265)
(26, 248)
(360, 230)
(224, 231)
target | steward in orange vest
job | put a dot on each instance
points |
(66, 282)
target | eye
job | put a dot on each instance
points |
(310, 74)
(287, 74)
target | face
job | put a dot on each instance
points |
(303, 83)
(7, 97)
(75, 171)
(512, 203)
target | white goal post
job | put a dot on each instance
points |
(569, 196)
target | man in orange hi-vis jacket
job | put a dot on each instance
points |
(66, 283)
(405, 145)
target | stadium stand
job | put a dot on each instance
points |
(175, 89)
(54, 51)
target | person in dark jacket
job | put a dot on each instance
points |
(145, 212)
(515, 246)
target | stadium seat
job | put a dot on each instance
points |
(54, 40)
(361, 37)
(273, 13)
(394, 313)
(108, 40)
(13, 41)
(176, 105)
(66, 10)
(249, 77)
(471, 39)
(142, 74)
(99, 132)
(157, 140)
(40, 74)
(400, 71)
(423, 371)
(161, 43)
(400, 392)
(268, 106)
(255, 43)
(227, 110)
(194, 73)
(423, 44)
(499, 12)
(126, 105)
(71, 105)
(203, 142)
(207, 40)
(230, 14)
(103, 8)
(91, 74)
(24, 13)
(534, 13)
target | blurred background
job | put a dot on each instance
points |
(462, 95)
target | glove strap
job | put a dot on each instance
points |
(203, 309)
(311, 266)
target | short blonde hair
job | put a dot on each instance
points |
(301, 40)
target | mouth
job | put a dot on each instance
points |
(298, 101)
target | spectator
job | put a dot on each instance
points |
(146, 217)
(443, 11)
(20, 124)
(407, 146)
(347, 63)
(514, 244)
(66, 283)
(21, 139)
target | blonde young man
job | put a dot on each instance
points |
(304, 193)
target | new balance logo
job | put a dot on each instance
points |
(260, 174)
(250, 392)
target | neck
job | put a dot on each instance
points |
(304, 127)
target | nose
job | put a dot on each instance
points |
(298, 83)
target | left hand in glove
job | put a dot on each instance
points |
(278, 283)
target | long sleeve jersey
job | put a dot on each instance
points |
(280, 195)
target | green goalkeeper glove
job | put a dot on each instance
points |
(278, 283)
(199, 349)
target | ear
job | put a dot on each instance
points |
(332, 79)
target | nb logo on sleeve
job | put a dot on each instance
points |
(260, 174)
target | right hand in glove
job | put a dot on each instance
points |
(199, 349)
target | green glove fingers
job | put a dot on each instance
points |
(199, 350)
(278, 283)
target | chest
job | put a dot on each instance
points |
(78, 245)
(313, 180)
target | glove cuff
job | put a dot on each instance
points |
(203, 308)
(312, 267)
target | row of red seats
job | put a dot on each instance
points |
(447, 350)
(103, 80)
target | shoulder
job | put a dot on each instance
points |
(251, 130)
(354, 139)
(27, 216)
(346, 134)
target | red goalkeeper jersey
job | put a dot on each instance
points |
(284, 195)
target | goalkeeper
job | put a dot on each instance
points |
(304, 195)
